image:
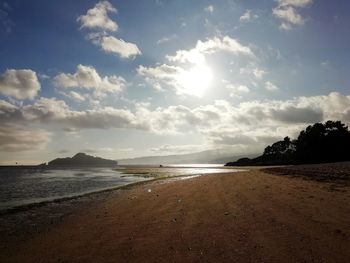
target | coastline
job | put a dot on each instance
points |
(25, 207)
(40, 216)
(150, 173)
(169, 223)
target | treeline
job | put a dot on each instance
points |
(318, 143)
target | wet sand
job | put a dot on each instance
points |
(248, 216)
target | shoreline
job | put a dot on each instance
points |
(246, 216)
(147, 178)
(25, 207)
(46, 215)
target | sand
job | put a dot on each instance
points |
(239, 217)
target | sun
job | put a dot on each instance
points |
(196, 80)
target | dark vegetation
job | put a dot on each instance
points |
(82, 159)
(318, 143)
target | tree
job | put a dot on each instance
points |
(326, 142)
(279, 147)
(318, 143)
(281, 152)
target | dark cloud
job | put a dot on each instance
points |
(17, 138)
(292, 114)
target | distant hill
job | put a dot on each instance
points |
(82, 159)
(209, 156)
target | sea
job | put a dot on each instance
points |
(27, 186)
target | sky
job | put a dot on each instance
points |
(122, 79)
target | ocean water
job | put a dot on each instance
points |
(20, 186)
(26, 186)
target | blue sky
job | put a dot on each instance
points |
(132, 78)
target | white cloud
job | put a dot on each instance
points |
(209, 9)
(51, 110)
(237, 90)
(43, 76)
(286, 10)
(162, 72)
(254, 70)
(289, 14)
(219, 123)
(74, 96)
(20, 84)
(296, 3)
(211, 46)
(191, 81)
(86, 77)
(270, 86)
(163, 75)
(258, 73)
(248, 16)
(97, 17)
(118, 47)
(166, 39)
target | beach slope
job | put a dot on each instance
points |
(250, 216)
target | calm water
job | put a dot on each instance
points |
(26, 186)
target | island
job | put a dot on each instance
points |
(82, 159)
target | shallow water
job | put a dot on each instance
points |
(27, 186)
(20, 187)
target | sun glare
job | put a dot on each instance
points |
(196, 80)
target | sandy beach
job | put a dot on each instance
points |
(250, 216)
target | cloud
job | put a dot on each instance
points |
(46, 110)
(210, 46)
(182, 78)
(98, 20)
(97, 17)
(270, 86)
(190, 81)
(209, 9)
(5, 20)
(237, 90)
(74, 96)
(17, 138)
(19, 84)
(286, 10)
(87, 78)
(219, 123)
(295, 3)
(291, 114)
(254, 70)
(116, 46)
(166, 39)
(177, 149)
(162, 76)
(43, 76)
(290, 15)
(231, 139)
(248, 16)
(51, 110)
